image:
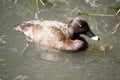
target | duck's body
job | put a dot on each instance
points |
(53, 34)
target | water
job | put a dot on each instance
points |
(101, 61)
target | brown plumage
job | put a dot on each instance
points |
(56, 34)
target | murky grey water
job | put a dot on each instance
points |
(101, 61)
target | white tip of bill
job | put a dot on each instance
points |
(96, 38)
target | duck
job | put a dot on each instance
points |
(58, 35)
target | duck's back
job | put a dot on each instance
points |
(47, 33)
(48, 25)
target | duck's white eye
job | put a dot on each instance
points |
(79, 24)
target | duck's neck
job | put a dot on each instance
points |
(72, 35)
(76, 36)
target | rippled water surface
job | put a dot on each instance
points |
(101, 61)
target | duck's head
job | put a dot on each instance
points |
(79, 26)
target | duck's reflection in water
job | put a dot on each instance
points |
(51, 56)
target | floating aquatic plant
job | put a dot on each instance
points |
(117, 12)
(91, 14)
(115, 28)
(34, 3)
(37, 4)
(116, 8)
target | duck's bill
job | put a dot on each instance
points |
(96, 38)
(91, 35)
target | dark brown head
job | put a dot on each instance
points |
(79, 26)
